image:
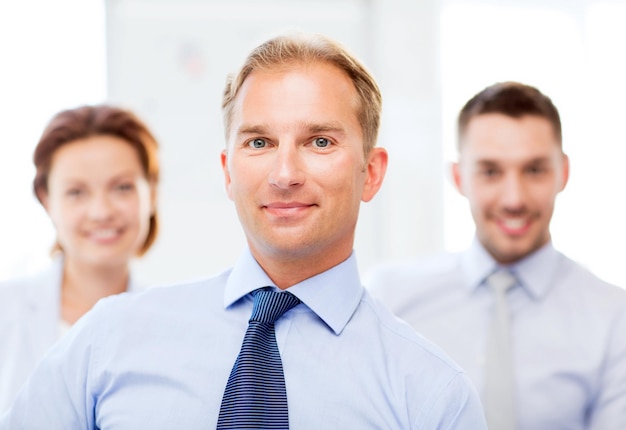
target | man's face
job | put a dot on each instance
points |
(295, 165)
(511, 170)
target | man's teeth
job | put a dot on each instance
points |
(514, 223)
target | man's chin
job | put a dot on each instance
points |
(286, 248)
(509, 251)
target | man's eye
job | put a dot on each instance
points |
(536, 170)
(258, 143)
(321, 142)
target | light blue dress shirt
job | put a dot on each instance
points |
(160, 359)
(568, 330)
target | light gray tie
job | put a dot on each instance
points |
(499, 380)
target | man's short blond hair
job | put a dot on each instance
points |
(298, 48)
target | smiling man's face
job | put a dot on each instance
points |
(295, 164)
(511, 170)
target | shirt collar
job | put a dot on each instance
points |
(536, 272)
(539, 271)
(333, 295)
(476, 264)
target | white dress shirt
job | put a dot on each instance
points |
(160, 359)
(30, 323)
(568, 329)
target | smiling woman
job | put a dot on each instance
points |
(96, 176)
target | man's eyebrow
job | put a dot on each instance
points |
(332, 126)
(536, 160)
(486, 162)
(313, 128)
(246, 129)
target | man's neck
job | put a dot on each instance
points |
(287, 271)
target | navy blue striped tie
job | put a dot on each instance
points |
(255, 396)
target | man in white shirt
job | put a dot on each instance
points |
(563, 365)
(287, 338)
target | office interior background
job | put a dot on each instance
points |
(168, 59)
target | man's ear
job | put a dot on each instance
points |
(224, 161)
(375, 169)
(565, 172)
(455, 170)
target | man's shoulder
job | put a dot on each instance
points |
(592, 289)
(406, 341)
(428, 373)
(430, 379)
(181, 296)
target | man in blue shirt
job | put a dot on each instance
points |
(566, 328)
(301, 120)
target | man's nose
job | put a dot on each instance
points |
(286, 171)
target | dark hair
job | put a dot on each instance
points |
(86, 121)
(300, 48)
(512, 99)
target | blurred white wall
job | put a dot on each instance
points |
(52, 56)
(168, 60)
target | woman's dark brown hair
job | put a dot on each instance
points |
(86, 121)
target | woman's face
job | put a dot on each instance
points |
(99, 200)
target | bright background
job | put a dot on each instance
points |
(167, 59)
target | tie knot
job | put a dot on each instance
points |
(501, 281)
(271, 305)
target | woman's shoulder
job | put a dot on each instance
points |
(31, 285)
